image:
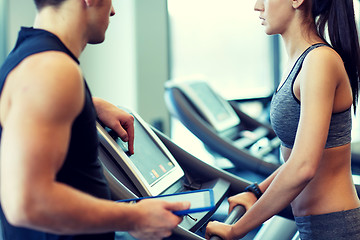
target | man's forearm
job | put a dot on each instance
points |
(65, 210)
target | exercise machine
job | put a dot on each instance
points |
(161, 167)
(222, 126)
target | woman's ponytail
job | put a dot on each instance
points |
(339, 18)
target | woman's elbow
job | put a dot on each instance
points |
(306, 173)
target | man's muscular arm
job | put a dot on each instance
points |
(36, 132)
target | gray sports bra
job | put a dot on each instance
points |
(285, 112)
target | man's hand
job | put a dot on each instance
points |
(156, 220)
(116, 119)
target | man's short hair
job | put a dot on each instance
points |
(42, 3)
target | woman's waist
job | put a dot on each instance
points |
(326, 195)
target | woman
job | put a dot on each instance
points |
(311, 114)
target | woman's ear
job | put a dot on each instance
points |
(88, 3)
(297, 3)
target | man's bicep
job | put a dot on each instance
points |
(32, 150)
(34, 142)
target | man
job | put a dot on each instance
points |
(52, 185)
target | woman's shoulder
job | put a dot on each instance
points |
(324, 61)
(323, 56)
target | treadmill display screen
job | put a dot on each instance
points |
(148, 158)
(211, 100)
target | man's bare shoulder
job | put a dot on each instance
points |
(49, 82)
(53, 65)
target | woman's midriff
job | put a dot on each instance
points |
(332, 188)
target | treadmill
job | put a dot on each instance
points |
(222, 127)
(132, 176)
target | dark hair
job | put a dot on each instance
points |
(339, 17)
(42, 3)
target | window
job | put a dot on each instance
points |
(224, 41)
(3, 41)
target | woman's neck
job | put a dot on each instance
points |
(296, 40)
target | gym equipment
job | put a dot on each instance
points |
(355, 157)
(222, 126)
(129, 177)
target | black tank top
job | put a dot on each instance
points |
(82, 169)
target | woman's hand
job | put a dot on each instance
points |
(220, 229)
(246, 199)
(225, 231)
